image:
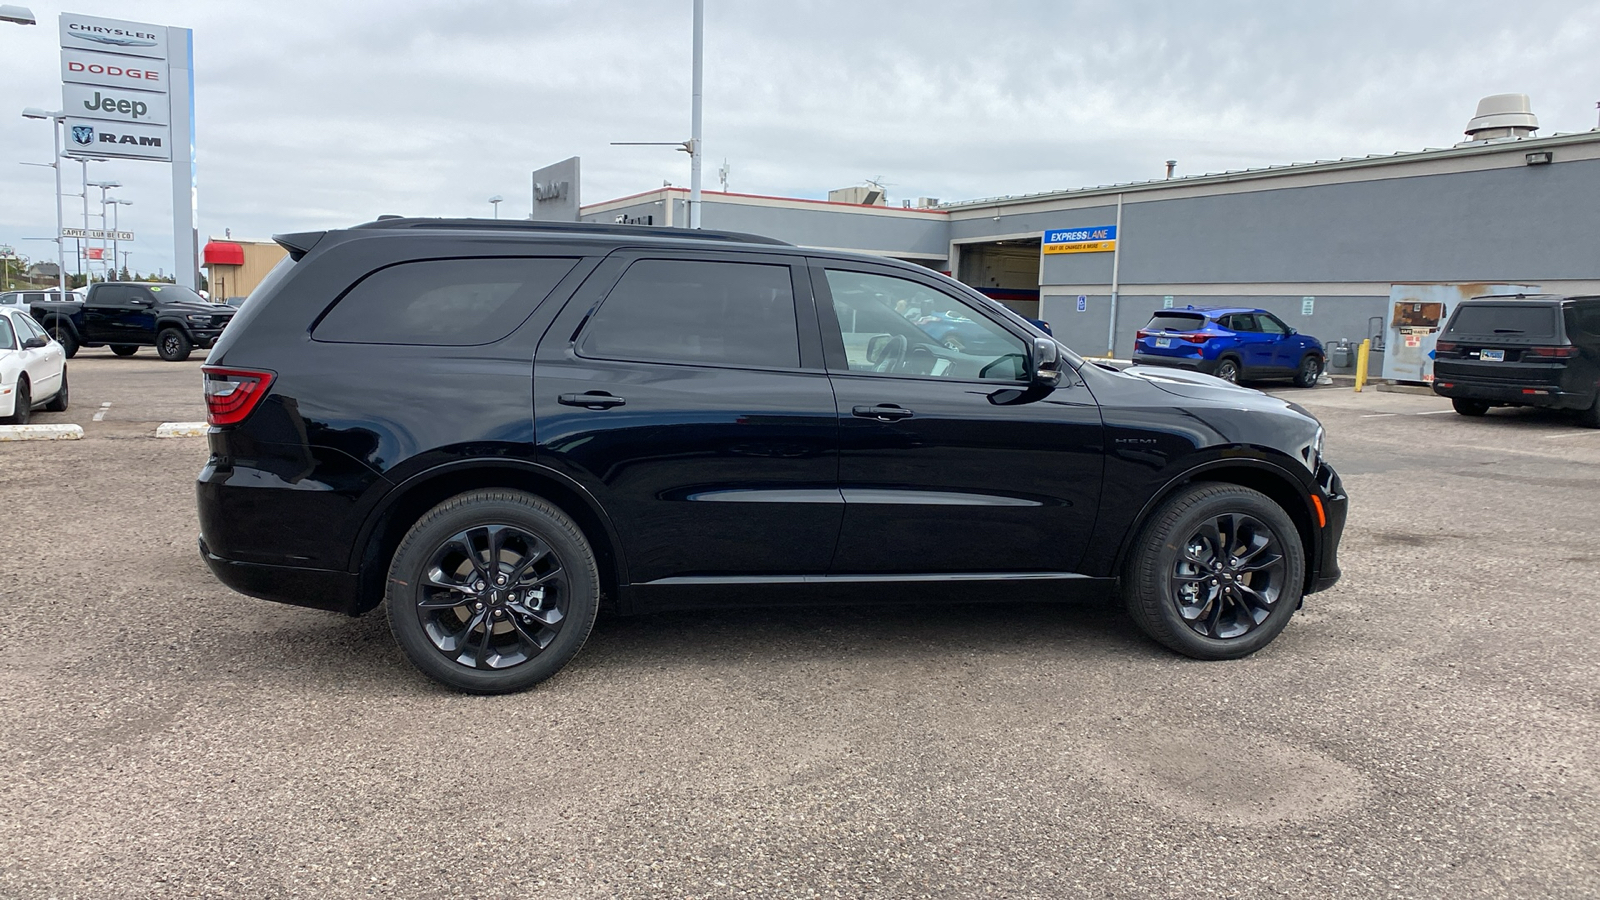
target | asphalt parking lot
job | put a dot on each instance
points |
(1428, 728)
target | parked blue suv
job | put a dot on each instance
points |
(1232, 343)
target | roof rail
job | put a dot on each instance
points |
(573, 227)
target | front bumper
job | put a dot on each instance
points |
(1543, 395)
(1336, 508)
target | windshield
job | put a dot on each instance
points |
(173, 293)
(1512, 321)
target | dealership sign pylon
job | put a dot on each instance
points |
(127, 92)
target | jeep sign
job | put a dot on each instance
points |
(93, 102)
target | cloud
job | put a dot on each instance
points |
(316, 115)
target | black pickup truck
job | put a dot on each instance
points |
(127, 315)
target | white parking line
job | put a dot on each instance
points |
(100, 414)
(1567, 434)
(1435, 412)
(1379, 415)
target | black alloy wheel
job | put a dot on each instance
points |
(24, 405)
(173, 345)
(1228, 370)
(493, 591)
(1217, 572)
(69, 344)
(59, 402)
(1310, 371)
(1472, 408)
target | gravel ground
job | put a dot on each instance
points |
(1425, 729)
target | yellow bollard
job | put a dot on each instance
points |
(1363, 354)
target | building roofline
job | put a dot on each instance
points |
(1475, 148)
(605, 205)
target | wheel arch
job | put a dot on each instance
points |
(380, 536)
(1259, 475)
(58, 322)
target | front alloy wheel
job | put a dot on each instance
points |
(492, 591)
(1229, 576)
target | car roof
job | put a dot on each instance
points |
(1503, 299)
(1209, 311)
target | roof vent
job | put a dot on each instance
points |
(1502, 116)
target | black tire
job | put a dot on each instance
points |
(1239, 606)
(1467, 407)
(68, 343)
(173, 345)
(1229, 370)
(23, 411)
(59, 402)
(1310, 370)
(124, 349)
(492, 623)
(1590, 418)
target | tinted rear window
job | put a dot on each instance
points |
(1172, 321)
(447, 302)
(687, 311)
(1514, 321)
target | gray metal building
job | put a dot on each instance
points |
(1338, 233)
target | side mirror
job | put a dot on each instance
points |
(35, 343)
(1046, 363)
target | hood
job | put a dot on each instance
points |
(1188, 383)
(215, 309)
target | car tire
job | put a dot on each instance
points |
(1590, 418)
(23, 410)
(1216, 573)
(464, 630)
(1310, 370)
(59, 402)
(173, 345)
(69, 344)
(1228, 370)
(1467, 407)
(124, 349)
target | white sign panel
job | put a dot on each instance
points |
(92, 102)
(92, 137)
(97, 234)
(113, 36)
(107, 70)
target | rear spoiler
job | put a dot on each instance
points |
(299, 244)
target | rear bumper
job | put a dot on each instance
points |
(1336, 506)
(314, 588)
(1540, 395)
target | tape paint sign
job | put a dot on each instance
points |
(1095, 239)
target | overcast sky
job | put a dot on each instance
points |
(323, 114)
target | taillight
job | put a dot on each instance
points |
(1140, 335)
(1550, 353)
(232, 393)
(1446, 346)
(1197, 338)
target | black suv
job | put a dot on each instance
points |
(501, 427)
(1529, 350)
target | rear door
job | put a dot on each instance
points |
(686, 392)
(946, 463)
(115, 315)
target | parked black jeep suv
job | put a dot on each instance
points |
(1536, 350)
(500, 426)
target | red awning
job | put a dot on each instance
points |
(222, 253)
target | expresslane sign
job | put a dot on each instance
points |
(1094, 239)
(94, 102)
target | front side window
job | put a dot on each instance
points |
(446, 302)
(895, 326)
(8, 341)
(697, 312)
(1269, 325)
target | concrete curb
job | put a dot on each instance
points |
(40, 432)
(181, 429)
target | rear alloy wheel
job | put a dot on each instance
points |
(493, 591)
(1217, 572)
(1310, 370)
(23, 410)
(173, 345)
(1228, 370)
(59, 402)
(1470, 407)
(124, 349)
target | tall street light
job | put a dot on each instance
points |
(104, 186)
(692, 146)
(56, 118)
(116, 226)
(495, 201)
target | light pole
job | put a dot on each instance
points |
(21, 15)
(694, 115)
(56, 118)
(495, 201)
(104, 186)
(116, 226)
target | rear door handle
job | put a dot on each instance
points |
(591, 400)
(884, 412)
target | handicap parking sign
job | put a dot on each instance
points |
(1083, 303)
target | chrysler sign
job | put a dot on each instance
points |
(112, 36)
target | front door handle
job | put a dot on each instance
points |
(591, 400)
(883, 412)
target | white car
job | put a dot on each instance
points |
(33, 368)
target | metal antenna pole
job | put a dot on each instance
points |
(61, 242)
(694, 127)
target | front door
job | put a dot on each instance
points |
(686, 392)
(942, 469)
